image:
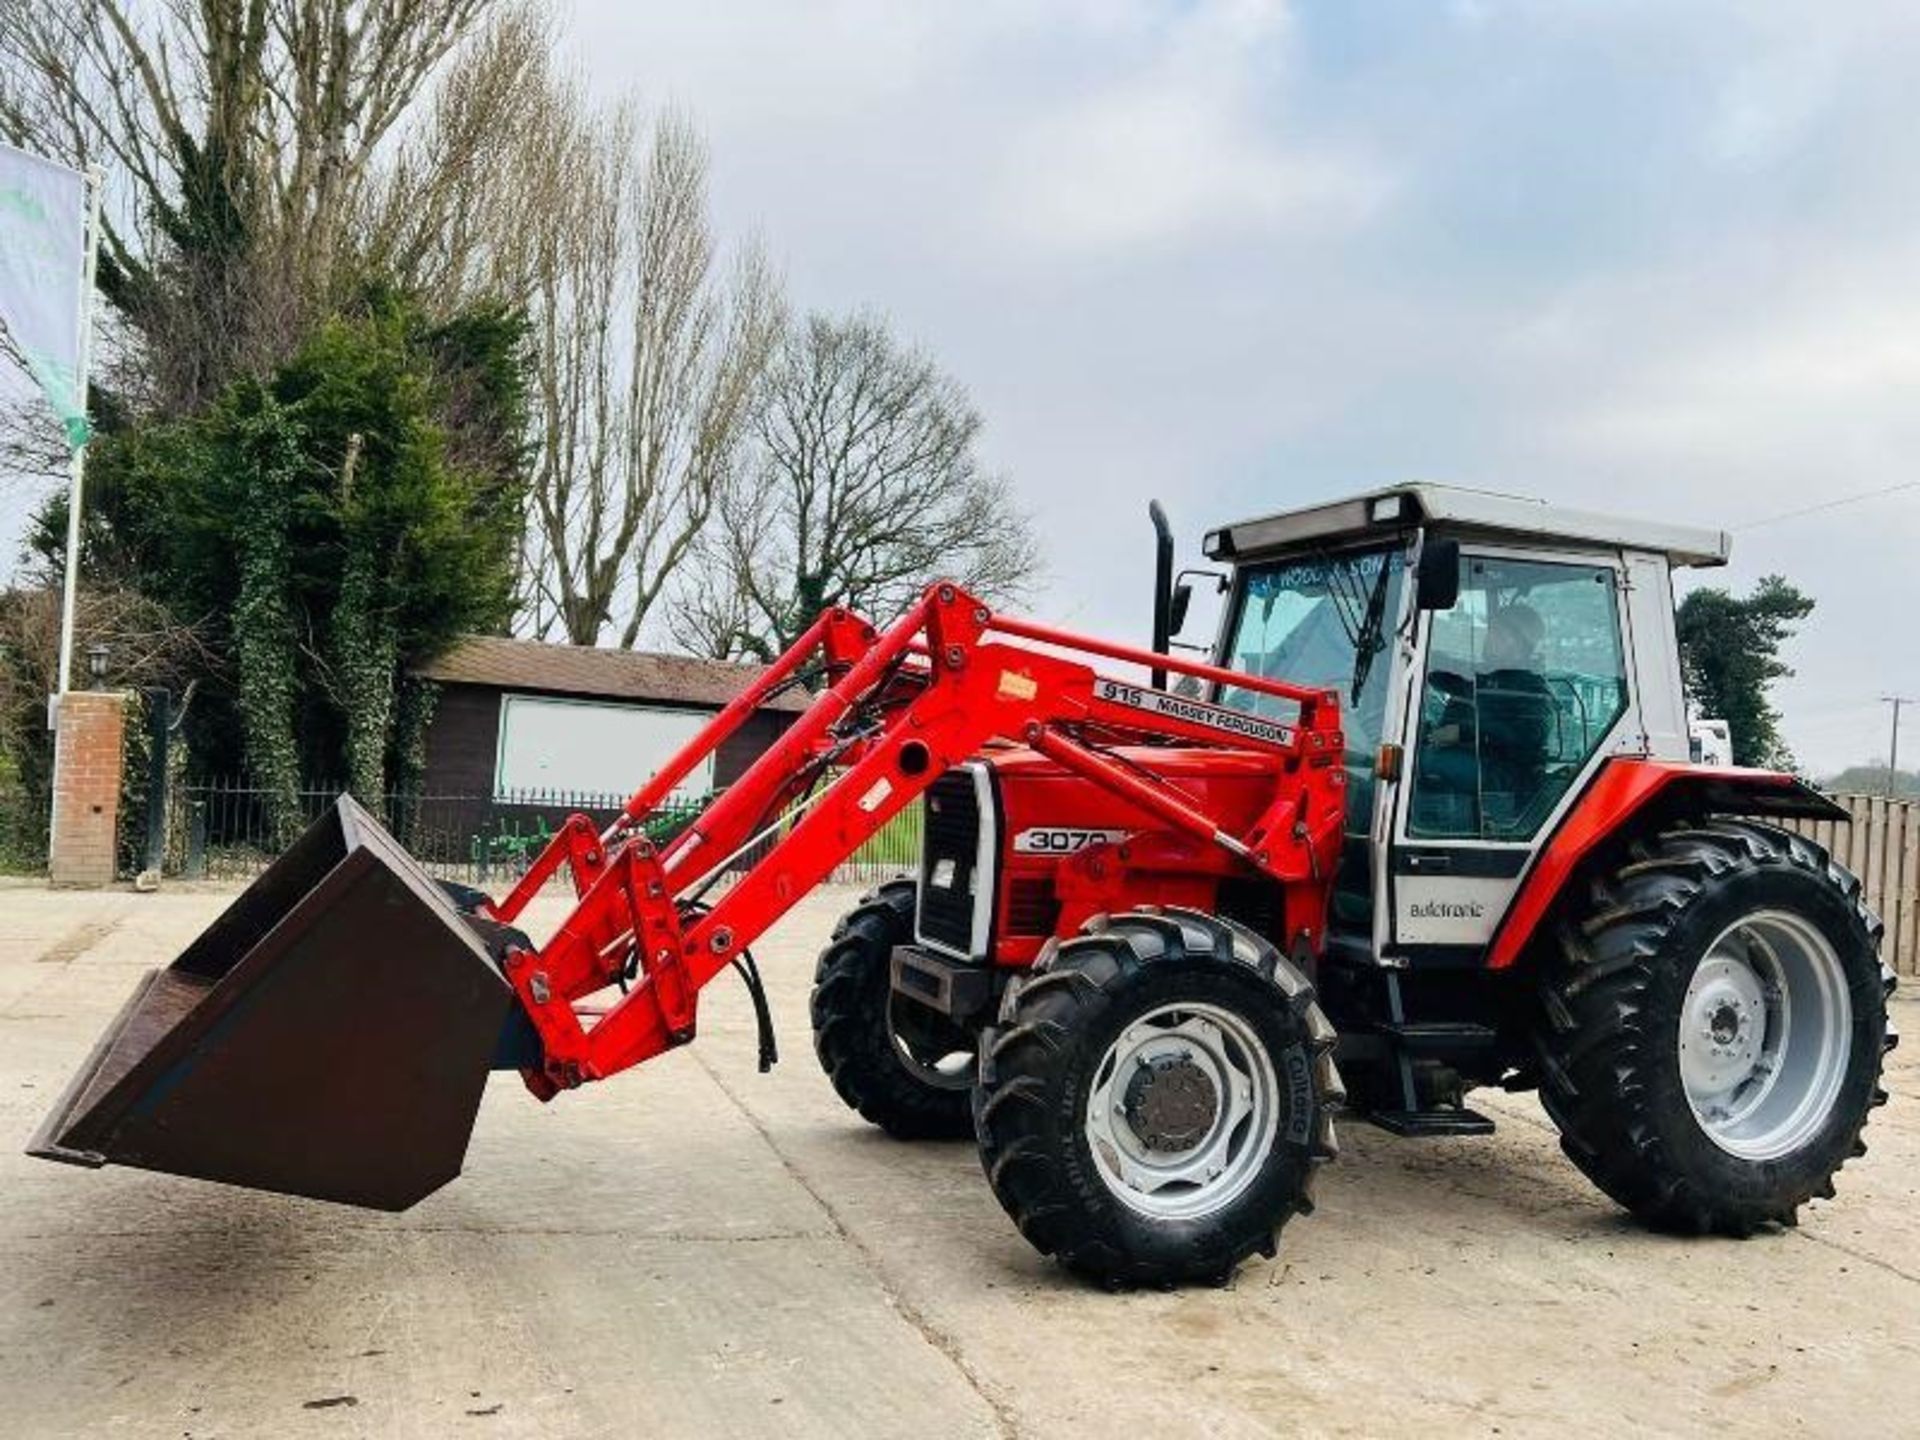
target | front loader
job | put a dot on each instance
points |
(1424, 812)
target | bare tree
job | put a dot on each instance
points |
(447, 212)
(866, 488)
(647, 343)
(146, 645)
(648, 350)
(240, 138)
(33, 444)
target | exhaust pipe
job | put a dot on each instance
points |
(1162, 587)
(329, 1035)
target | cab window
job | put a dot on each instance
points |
(1526, 677)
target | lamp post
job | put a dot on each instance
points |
(97, 656)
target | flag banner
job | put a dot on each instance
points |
(43, 239)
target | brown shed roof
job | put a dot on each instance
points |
(585, 670)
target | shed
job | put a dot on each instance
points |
(523, 719)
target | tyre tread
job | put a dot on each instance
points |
(848, 1035)
(1039, 1019)
(1599, 1028)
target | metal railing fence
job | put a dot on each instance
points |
(224, 829)
(220, 829)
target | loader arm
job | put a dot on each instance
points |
(331, 1034)
(903, 706)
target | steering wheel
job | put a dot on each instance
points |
(1445, 690)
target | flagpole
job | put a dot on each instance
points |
(77, 466)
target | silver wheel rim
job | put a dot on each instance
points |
(1765, 1033)
(1183, 1111)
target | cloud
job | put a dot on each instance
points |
(1186, 138)
(1635, 256)
(1160, 163)
(1780, 349)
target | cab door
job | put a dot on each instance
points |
(1517, 695)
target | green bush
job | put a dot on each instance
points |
(325, 529)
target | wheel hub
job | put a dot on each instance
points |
(1170, 1103)
(1723, 1025)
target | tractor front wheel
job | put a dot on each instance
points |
(1713, 1027)
(1155, 1098)
(903, 1067)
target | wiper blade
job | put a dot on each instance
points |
(1370, 642)
(1344, 591)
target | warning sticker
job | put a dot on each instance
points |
(1015, 686)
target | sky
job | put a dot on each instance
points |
(1247, 255)
(1243, 255)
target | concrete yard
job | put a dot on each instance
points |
(698, 1250)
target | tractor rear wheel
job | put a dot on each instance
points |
(903, 1067)
(1713, 1028)
(1156, 1097)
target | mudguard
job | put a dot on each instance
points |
(1635, 792)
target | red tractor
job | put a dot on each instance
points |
(1425, 813)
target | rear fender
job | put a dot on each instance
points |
(1636, 794)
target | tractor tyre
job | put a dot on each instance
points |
(1156, 1097)
(903, 1067)
(1713, 1027)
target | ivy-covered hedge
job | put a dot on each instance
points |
(325, 529)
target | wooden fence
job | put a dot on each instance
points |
(1882, 847)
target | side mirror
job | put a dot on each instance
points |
(1437, 585)
(1177, 608)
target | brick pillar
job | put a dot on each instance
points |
(89, 750)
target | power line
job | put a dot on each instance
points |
(1830, 505)
(1864, 726)
(1854, 707)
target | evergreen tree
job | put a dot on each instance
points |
(1730, 655)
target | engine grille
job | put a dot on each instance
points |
(949, 855)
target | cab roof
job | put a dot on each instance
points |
(1482, 514)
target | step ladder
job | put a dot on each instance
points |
(1411, 1040)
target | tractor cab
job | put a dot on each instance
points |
(1491, 653)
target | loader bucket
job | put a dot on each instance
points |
(329, 1035)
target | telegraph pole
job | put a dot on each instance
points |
(1893, 748)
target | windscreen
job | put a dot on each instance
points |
(1326, 620)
